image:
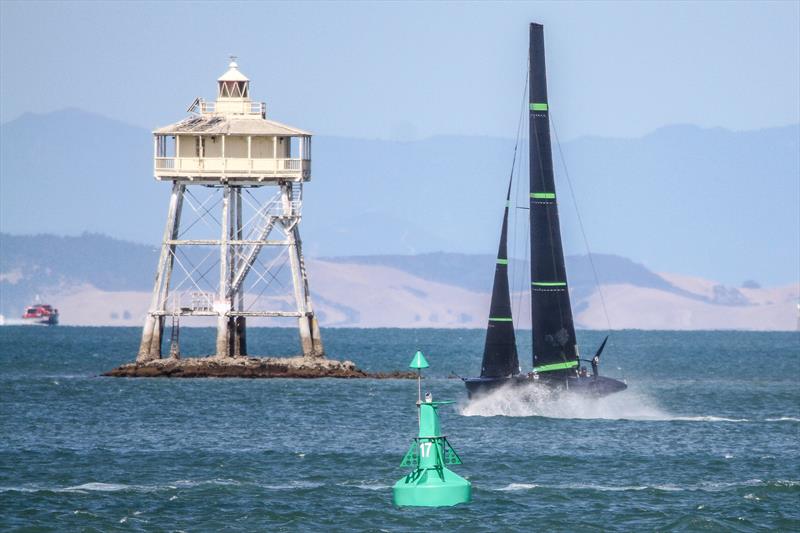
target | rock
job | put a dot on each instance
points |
(250, 367)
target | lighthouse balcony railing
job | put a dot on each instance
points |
(181, 166)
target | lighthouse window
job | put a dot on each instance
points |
(225, 89)
(232, 89)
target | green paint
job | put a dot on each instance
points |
(549, 283)
(500, 319)
(543, 195)
(430, 483)
(502, 261)
(419, 361)
(556, 366)
(538, 107)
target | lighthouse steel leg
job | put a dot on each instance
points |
(240, 348)
(306, 321)
(316, 337)
(222, 305)
(150, 346)
(167, 276)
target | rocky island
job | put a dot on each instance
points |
(249, 367)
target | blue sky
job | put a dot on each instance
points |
(410, 70)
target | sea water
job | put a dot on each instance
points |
(705, 438)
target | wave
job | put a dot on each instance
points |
(120, 487)
(699, 487)
(518, 486)
(376, 486)
(365, 485)
(294, 485)
(707, 419)
(103, 487)
(537, 400)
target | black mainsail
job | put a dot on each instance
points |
(500, 351)
(554, 344)
(555, 351)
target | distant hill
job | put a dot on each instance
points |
(716, 203)
(97, 280)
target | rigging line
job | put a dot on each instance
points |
(520, 122)
(521, 279)
(580, 223)
(523, 109)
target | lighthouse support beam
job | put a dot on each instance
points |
(239, 322)
(310, 338)
(222, 305)
(150, 346)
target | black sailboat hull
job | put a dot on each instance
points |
(589, 386)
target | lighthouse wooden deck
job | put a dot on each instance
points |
(244, 148)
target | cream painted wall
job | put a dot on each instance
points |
(213, 146)
(235, 146)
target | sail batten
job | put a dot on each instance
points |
(500, 351)
(554, 344)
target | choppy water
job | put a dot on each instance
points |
(706, 438)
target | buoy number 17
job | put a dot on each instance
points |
(425, 449)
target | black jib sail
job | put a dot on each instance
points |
(554, 344)
(500, 352)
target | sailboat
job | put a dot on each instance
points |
(556, 362)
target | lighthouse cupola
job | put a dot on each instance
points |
(233, 89)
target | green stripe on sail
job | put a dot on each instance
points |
(502, 261)
(556, 366)
(500, 319)
(538, 107)
(549, 283)
(543, 195)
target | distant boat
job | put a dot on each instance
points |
(555, 353)
(41, 314)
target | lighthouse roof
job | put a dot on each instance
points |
(221, 125)
(233, 73)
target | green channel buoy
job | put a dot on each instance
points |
(431, 483)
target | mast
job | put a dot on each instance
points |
(554, 344)
(500, 351)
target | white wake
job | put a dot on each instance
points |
(538, 400)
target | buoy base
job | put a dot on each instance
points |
(431, 487)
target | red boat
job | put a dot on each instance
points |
(41, 314)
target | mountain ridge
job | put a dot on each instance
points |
(682, 198)
(98, 280)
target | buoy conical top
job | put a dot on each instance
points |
(419, 361)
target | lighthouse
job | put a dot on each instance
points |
(231, 248)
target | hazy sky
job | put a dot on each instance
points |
(410, 70)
